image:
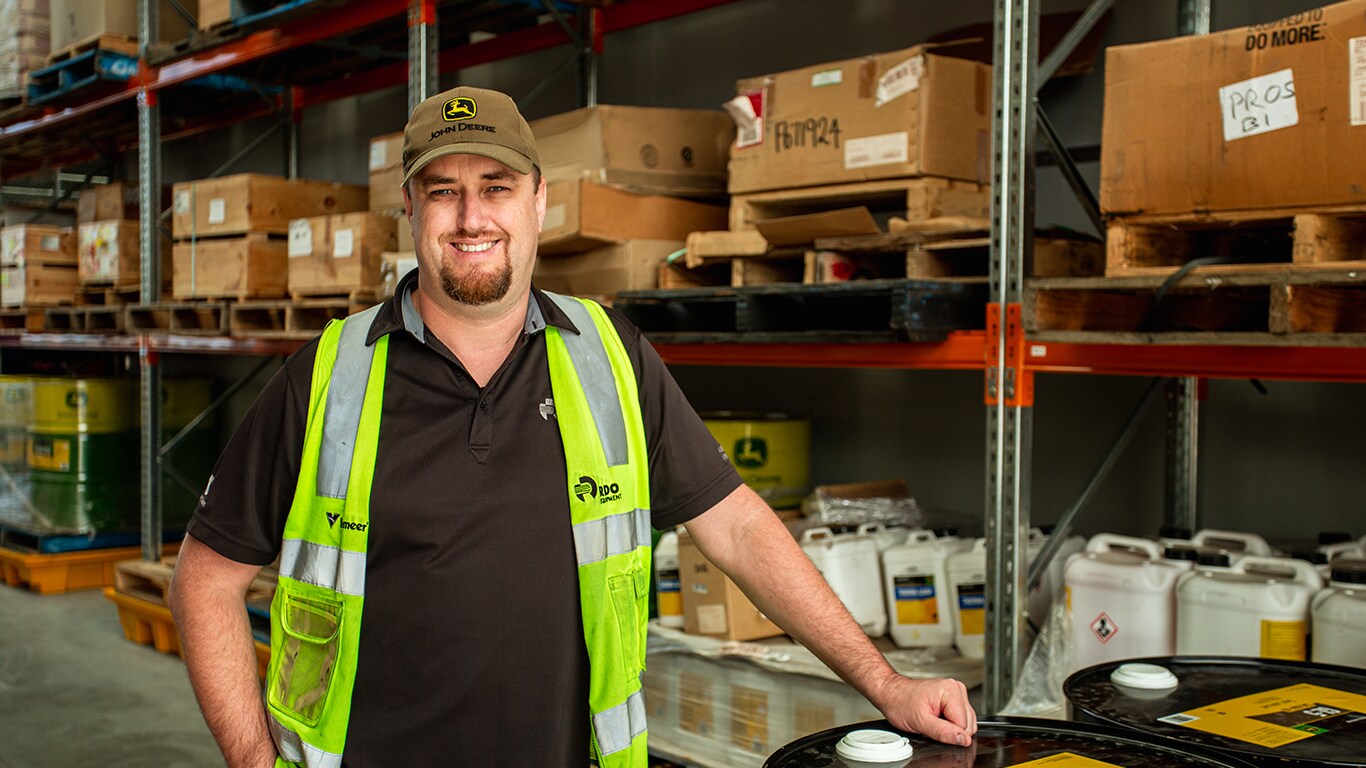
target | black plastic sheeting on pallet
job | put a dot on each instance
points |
(862, 311)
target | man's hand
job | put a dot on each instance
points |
(937, 708)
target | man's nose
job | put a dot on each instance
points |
(473, 214)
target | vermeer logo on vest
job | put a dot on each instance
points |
(588, 488)
(346, 525)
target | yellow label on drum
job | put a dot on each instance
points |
(772, 456)
(1066, 760)
(50, 454)
(1277, 717)
(84, 405)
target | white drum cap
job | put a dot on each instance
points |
(1148, 677)
(871, 746)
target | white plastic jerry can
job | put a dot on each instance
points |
(1234, 542)
(967, 574)
(849, 563)
(1050, 585)
(915, 581)
(885, 537)
(1339, 617)
(668, 594)
(1121, 594)
(1258, 608)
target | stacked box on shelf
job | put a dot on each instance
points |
(231, 232)
(77, 22)
(110, 254)
(618, 181)
(103, 202)
(339, 254)
(24, 43)
(37, 265)
(386, 199)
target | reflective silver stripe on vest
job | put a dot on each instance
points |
(617, 727)
(295, 750)
(595, 376)
(345, 396)
(597, 540)
(323, 566)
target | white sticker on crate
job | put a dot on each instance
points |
(1260, 105)
(1356, 64)
(300, 238)
(343, 243)
(378, 155)
(218, 210)
(50, 243)
(899, 80)
(828, 77)
(554, 217)
(877, 150)
(182, 201)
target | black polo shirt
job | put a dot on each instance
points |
(471, 648)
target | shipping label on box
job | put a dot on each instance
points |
(892, 115)
(1265, 116)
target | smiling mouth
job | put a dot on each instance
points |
(474, 247)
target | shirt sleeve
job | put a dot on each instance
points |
(689, 472)
(241, 514)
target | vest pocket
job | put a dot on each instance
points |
(627, 610)
(312, 629)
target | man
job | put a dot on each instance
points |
(460, 484)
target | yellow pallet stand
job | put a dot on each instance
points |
(148, 623)
(50, 574)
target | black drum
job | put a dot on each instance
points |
(1000, 742)
(1263, 711)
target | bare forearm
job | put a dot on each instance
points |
(220, 656)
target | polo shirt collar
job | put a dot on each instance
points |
(400, 313)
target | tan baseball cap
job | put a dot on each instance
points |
(468, 121)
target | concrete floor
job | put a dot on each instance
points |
(74, 692)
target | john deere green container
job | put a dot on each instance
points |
(83, 448)
(193, 457)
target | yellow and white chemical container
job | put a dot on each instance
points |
(916, 584)
(1258, 608)
(967, 597)
(668, 587)
(1121, 593)
(1339, 617)
(849, 563)
(770, 451)
(1050, 587)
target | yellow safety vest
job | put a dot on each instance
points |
(316, 614)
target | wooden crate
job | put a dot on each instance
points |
(38, 284)
(916, 199)
(249, 267)
(103, 202)
(253, 202)
(109, 254)
(339, 254)
(28, 243)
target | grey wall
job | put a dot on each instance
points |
(1285, 463)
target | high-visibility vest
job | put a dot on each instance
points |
(316, 613)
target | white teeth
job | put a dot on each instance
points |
(473, 247)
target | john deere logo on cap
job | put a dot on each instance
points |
(459, 108)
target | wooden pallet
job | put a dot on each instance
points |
(30, 320)
(1309, 304)
(915, 199)
(298, 319)
(128, 46)
(107, 295)
(1158, 245)
(83, 319)
(863, 311)
(202, 318)
(145, 580)
(63, 572)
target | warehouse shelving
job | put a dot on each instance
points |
(1008, 357)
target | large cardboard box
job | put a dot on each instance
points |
(712, 604)
(628, 266)
(249, 267)
(253, 202)
(74, 21)
(386, 173)
(906, 113)
(339, 254)
(24, 43)
(645, 149)
(1267, 116)
(582, 215)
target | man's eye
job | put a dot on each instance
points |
(497, 188)
(440, 192)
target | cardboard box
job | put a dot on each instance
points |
(907, 113)
(339, 254)
(253, 266)
(253, 202)
(386, 172)
(628, 266)
(392, 267)
(582, 215)
(74, 21)
(32, 243)
(644, 149)
(34, 284)
(1267, 116)
(712, 604)
(213, 13)
(24, 43)
(110, 253)
(103, 202)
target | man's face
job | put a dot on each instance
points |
(475, 226)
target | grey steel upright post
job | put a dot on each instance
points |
(1009, 424)
(149, 241)
(588, 61)
(423, 78)
(1180, 500)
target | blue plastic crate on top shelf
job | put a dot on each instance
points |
(90, 74)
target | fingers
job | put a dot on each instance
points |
(949, 716)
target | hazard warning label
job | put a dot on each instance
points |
(1104, 628)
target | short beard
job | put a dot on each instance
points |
(476, 289)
